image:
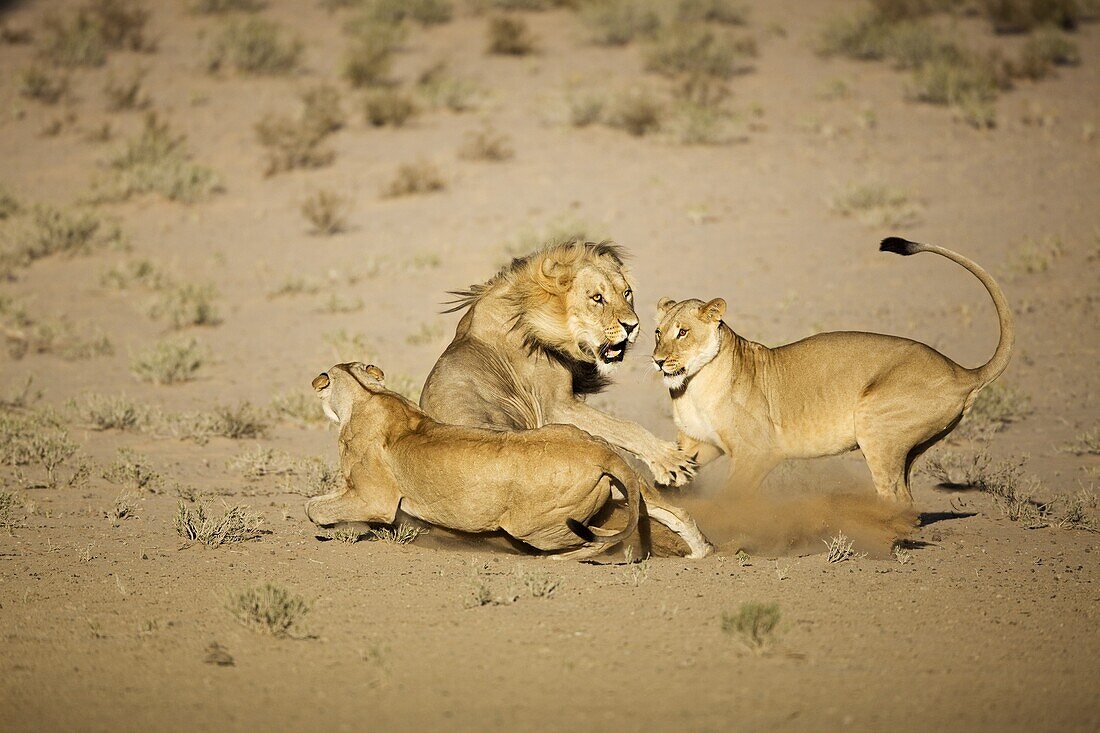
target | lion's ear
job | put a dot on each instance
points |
(376, 374)
(663, 305)
(557, 275)
(713, 310)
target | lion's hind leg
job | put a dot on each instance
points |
(677, 520)
(347, 506)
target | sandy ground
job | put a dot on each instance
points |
(989, 626)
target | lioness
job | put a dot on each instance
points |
(830, 393)
(539, 486)
(535, 339)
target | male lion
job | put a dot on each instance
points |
(830, 393)
(546, 330)
(540, 486)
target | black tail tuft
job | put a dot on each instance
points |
(580, 530)
(899, 246)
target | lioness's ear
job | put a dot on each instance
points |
(713, 310)
(663, 305)
(376, 374)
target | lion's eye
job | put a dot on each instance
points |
(681, 333)
(597, 298)
(658, 333)
(628, 293)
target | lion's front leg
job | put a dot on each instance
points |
(670, 465)
(702, 452)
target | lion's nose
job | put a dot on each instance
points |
(659, 362)
(628, 327)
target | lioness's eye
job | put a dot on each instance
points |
(627, 293)
(681, 333)
(597, 298)
(658, 333)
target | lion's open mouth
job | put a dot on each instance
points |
(613, 353)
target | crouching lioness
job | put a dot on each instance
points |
(539, 486)
(830, 393)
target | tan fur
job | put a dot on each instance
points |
(529, 348)
(830, 393)
(530, 484)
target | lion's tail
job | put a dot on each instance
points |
(999, 361)
(632, 489)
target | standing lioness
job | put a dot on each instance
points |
(891, 397)
(540, 486)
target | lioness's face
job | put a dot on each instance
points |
(602, 321)
(338, 386)
(687, 338)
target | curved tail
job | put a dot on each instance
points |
(632, 489)
(999, 361)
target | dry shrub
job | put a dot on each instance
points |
(585, 108)
(1019, 16)
(291, 143)
(198, 524)
(415, 178)
(443, 90)
(269, 609)
(170, 361)
(995, 408)
(42, 85)
(126, 94)
(186, 305)
(156, 161)
(9, 205)
(713, 11)
(637, 111)
(388, 106)
(1086, 443)
(369, 58)
(326, 212)
(876, 205)
(24, 335)
(36, 439)
(695, 50)
(425, 12)
(618, 22)
(297, 406)
(1045, 49)
(219, 7)
(123, 507)
(44, 231)
(509, 36)
(254, 46)
(133, 472)
(84, 36)
(321, 108)
(236, 422)
(486, 144)
(135, 273)
(113, 412)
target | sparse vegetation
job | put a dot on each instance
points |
(338, 304)
(269, 609)
(995, 407)
(585, 108)
(219, 7)
(1018, 16)
(326, 213)
(186, 305)
(26, 335)
(254, 46)
(441, 89)
(415, 178)
(293, 143)
(425, 12)
(388, 106)
(84, 36)
(754, 624)
(637, 111)
(43, 86)
(398, 534)
(127, 93)
(1045, 49)
(509, 36)
(297, 406)
(840, 549)
(321, 109)
(124, 507)
(876, 205)
(133, 273)
(238, 421)
(44, 231)
(37, 439)
(9, 205)
(486, 144)
(347, 346)
(259, 462)
(199, 524)
(156, 161)
(688, 50)
(170, 361)
(132, 472)
(8, 506)
(1086, 443)
(1036, 255)
(113, 412)
(712, 11)
(369, 58)
(618, 22)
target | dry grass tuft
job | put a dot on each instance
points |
(42, 85)
(124, 507)
(26, 335)
(170, 361)
(135, 273)
(754, 624)
(219, 7)
(84, 36)
(37, 439)
(133, 472)
(156, 161)
(186, 305)
(388, 106)
(415, 178)
(291, 143)
(618, 22)
(255, 46)
(198, 524)
(126, 94)
(637, 111)
(298, 407)
(443, 90)
(269, 609)
(876, 205)
(398, 534)
(1019, 16)
(113, 412)
(321, 109)
(1086, 443)
(1044, 50)
(509, 36)
(393, 12)
(486, 144)
(995, 408)
(369, 58)
(840, 549)
(696, 50)
(712, 11)
(44, 231)
(326, 212)
(236, 422)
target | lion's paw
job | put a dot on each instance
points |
(672, 466)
